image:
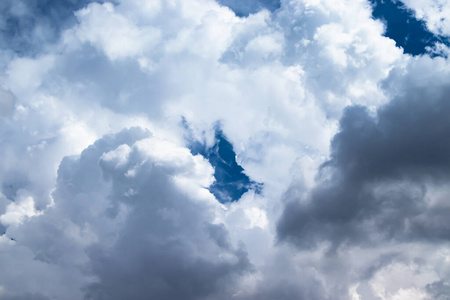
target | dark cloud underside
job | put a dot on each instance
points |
(374, 185)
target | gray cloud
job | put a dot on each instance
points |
(121, 216)
(375, 184)
(26, 296)
(168, 246)
(439, 290)
(7, 102)
(27, 25)
(131, 216)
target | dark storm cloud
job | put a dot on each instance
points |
(375, 183)
(26, 25)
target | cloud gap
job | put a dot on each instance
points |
(408, 32)
(231, 181)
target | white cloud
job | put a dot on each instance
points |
(130, 215)
(163, 224)
(17, 211)
(434, 13)
(114, 34)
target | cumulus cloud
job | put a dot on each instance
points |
(380, 167)
(343, 132)
(133, 215)
(385, 178)
(434, 13)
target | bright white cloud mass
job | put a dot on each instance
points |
(202, 149)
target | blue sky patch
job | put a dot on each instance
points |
(231, 181)
(244, 8)
(408, 32)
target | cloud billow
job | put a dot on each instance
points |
(374, 186)
(166, 247)
(144, 220)
(103, 196)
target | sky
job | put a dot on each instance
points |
(208, 150)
